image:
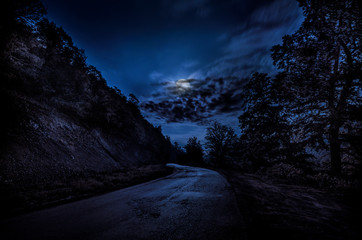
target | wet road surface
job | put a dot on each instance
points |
(191, 203)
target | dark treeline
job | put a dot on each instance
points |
(307, 118)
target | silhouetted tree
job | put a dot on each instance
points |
(133, 99)
(133, 102)
(59, 43)
(220, 142)
(194, 151)
(261, 123)
(180, 153)
(119, 93)
(266, 133)
(17, 15)
(322, 70)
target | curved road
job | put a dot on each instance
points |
(191, 203)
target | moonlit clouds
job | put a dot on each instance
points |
(217, 94)
(182, 85)
(186, 60)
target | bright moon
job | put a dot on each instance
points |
(183, 85)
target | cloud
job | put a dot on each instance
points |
(247, 48)
(215, 89)
(201, 101)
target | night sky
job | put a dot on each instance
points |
(146, 46)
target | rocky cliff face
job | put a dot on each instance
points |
(61, 119)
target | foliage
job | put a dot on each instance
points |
(18, 15)
(263, 128)
(194, 151)
(133, 102)
(133, 99)
(221, 143)
(179, 153)
(322, 69)
(23, 11)
(266, 134)
(58, 42)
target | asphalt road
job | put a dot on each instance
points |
(191, 203)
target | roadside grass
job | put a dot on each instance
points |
(18, 198)
(281, 210)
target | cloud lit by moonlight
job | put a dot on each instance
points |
(183, 85)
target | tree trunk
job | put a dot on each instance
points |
(335, 150)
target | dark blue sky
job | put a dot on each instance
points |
(145, 46)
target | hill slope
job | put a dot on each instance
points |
(61, 120)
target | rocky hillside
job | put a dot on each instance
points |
(60, 118)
